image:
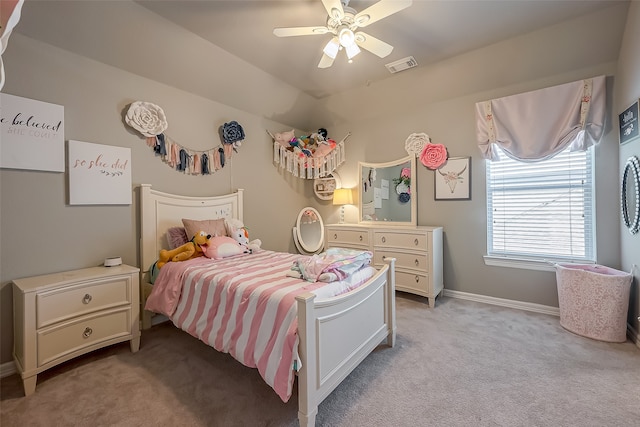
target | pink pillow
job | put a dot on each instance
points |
(176, 237)
(223, 247)
(215, 227)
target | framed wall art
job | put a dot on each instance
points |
(628, 123)
(453, 179)
(31, 134)
(99, 174)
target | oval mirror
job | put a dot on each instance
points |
(630, 195)
(308, 234)
(388, 192)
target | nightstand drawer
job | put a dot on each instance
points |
(67, 338)
(353, 237)
(417, 261)
(400, 240)
(57, 305)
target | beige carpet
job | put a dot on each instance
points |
(460, 364)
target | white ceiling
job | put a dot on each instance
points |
(428, 30)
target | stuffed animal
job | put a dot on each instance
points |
(284, 138)
(192, 249)
(237, 230)
(225, 246)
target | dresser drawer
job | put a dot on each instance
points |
(400, 240)
(351, 237)
(413, 261)
(72, 301)
(412, 282)
(59, 341)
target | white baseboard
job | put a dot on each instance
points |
(527, 306)
(632, 334)
(8, 368)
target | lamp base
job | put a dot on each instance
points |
(341, 215)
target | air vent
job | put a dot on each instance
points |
(402, 64)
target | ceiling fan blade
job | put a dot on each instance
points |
(334, 9)
(326, 61)
(380, 10)
(373, 45)
(299, 31)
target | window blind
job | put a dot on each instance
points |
(542, 210)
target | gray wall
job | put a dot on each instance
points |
(628, 91)
(418, 102)
(40, 233)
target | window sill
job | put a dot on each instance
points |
(527, 264)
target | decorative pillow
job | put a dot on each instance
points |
(223, 247)
(176, 236)
(215, 227)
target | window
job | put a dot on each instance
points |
(540, 212)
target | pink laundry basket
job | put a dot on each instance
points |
(594, 301)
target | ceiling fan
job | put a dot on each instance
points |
(343, 22)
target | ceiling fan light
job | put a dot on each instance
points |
(352, 50)
(347, 38)
(331, 49)
(362, 20)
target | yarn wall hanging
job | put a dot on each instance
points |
(310, 156)
(151, 122)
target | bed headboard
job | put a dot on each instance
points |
(159, 211)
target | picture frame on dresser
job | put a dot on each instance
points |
(452, 181)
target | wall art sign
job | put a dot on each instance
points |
(453, 179)
(99, 174)
(31, 134)
(628, 121)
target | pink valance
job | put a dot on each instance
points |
(537, 125)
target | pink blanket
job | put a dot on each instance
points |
(244, 306)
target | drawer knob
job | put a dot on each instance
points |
(335, 237)
(417, 262)
(417, 279)
(87, 299)
(87, 332)
(415, 242)
(361, 237)
(384, 239)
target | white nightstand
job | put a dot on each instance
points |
(59, 316)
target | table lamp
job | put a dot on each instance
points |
(341, 197)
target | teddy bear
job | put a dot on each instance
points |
(196, 247)
(237, 230)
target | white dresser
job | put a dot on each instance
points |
(59, 316)
(417, 250)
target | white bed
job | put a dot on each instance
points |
(335, 334)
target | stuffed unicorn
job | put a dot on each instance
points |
(237, 230)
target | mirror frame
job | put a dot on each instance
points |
(413, 221)
(303, 247)
(631, 172)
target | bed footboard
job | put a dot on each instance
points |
(337, 333)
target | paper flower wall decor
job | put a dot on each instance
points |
(150, 120)
(416, 142)
(403, 185)
(232, 133)
(433, 156)
(146, 118)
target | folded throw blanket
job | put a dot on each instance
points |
(334, 264)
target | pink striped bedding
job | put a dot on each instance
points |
(244, 306)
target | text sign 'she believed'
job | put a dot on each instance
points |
(31, 134)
